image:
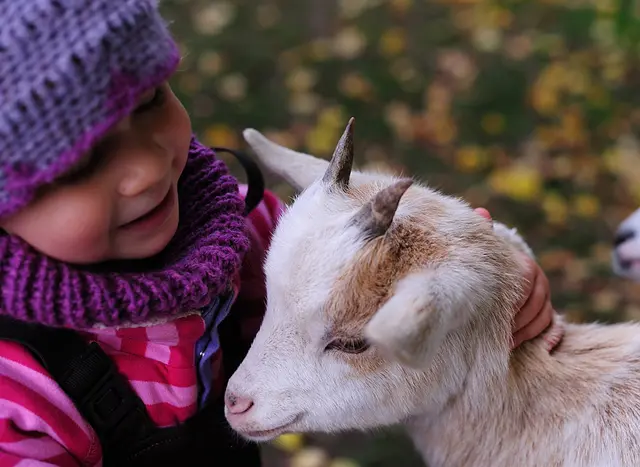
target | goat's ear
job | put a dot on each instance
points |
(297, 168)
(300, 169)
(375, 217)
(412, 325)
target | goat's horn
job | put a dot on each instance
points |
(339, 170)
(376, 216)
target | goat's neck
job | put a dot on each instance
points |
(486, 386)
(501, 397)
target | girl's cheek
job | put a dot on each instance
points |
(82, 232)
(74, 229)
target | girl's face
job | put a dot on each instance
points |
(120, 201)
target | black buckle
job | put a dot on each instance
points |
(107, 401)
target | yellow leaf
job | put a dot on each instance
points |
(518, 182)
(503, 18)
(562, 167)
(210, 63)
(351, 9)
(304, 103)
(577, 81)
(333, 117)
(342, 462)
(519, 47)
(220, 135)
(190, 83)
(606, 6)
(393, 42)
(598, 96)
(547, 136)
(612, 160)
(586, 205)
(544, 98)
(573, 127)
(614, 72)
(354, 86)
(309, 457)
(214, 18)
(290, 58)
(233, 87)
(555, 208)
(576, 271)
(493, 123)
(320, 142)
(349, 43)
(401, 6)
(487, 39)
(319, 50)
(470, 159)
(268, 15)
(438, 98)
(605, 301)
(444, 129)
(290, 442)
(301, 79)
(399, 117)
(406, 74)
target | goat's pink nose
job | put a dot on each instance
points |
(237, 405)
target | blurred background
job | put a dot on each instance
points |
(528, 108)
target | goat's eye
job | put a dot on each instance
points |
(352, 346)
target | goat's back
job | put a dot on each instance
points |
(576, 407)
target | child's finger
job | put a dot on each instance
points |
(530, 276)
(484, 213)
(535, 327)
(538, 298)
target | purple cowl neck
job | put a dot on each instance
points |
(197, 265)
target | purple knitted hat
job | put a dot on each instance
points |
(69, 70)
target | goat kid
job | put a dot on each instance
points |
(363, 258)
(626, 252)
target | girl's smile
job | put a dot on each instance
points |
(121, 200)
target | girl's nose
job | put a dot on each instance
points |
(143, 172)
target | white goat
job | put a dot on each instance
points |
(433, 287)
(626, 253)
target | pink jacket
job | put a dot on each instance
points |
(39, 425)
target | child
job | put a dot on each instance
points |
(131, 283)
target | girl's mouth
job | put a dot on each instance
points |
(155, 218)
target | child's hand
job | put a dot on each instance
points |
(536, 311)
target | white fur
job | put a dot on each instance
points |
(441, 363)
(626, 255)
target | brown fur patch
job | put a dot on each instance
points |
(369, 280)
(409, 245)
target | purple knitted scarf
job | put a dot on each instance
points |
(198, 264)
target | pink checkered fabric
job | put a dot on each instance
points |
(39, 425)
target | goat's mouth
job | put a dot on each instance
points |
(626, 265)
(269, 434)
(627, 257)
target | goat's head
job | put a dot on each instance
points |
(359, 259)
(626, 253)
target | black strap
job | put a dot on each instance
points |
(104, 397)
(88, 376)
(255, 180)
(107, 402)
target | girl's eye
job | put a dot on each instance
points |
(155, 101)
(84, 169)
(350, 346)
